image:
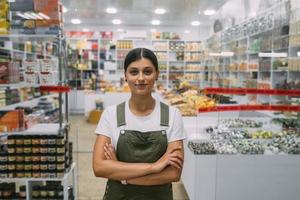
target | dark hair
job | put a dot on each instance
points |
(139, 53)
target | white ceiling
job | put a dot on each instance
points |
(140, 12)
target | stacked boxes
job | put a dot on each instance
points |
(36, 17)
(12, 120)
(43, 71)
(4, 23)
(9, 72)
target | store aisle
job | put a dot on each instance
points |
(89, 187)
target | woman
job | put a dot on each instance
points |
(146, 134)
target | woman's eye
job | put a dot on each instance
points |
(134, 72)
(148, 72)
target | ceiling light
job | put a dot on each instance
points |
(153, 30)
(111, 10)
(195, 23)
(155, 22)
(43, 15)
(85, 30)
(120, 30)
(27, 14)
(187, 31)
(209, 12)
(116, 21)
(298, 53)
(160, 11)
(36, 15)
(22, 15)
(65, 9)
(76, 21)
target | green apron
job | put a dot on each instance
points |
(140, 147)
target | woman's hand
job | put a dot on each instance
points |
(171, 157)
(109, 152)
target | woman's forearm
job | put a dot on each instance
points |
(168, 175)
(116, 170)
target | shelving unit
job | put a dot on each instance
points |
(45, 86)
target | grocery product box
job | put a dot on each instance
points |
(4, 76)
(49, 65)
(48, 30)
(31, 65)
(12, 120)
(31, 77)
(50, 8)
(9, 72)
(48, 78)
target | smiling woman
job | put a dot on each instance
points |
(139, 145)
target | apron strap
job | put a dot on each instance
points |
(164, 114)
(121, 114)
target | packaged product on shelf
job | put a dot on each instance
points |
(49, 65)
(9, 72)
(48, 78)
(31, 65)
(31, 78)
(12, 120)
(2, 98)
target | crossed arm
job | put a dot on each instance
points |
(166, 170)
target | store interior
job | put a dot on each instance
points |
(231, 67)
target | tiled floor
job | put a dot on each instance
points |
(89, 187)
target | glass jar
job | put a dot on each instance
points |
(35, 140)
(22, 191)
(36, 158)
(52, 139)
(19, 139)
(52, 149)
(60, 140)
(27, 140)
(11, 140)
(36, 192)
(60, 148)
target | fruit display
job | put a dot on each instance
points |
(284, 143)
(261, 134)
(248, 146)
(199, 148)
(239, 123)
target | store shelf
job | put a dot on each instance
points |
(30, 103)
(66, 175)
(19, 85)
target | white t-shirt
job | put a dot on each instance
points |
(108, 123)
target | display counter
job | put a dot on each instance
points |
(236, 176)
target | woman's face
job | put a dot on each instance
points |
(141, 76)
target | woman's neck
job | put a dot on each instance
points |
(141, 105)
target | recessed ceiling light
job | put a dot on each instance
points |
(120, 30)
(160, 11)
(155, 22)
(44, 16)
(76, 21)
(195, 23)
(85, 30)
(111, 10)
(37, 16)
(298, 53)
(187, 31)
(65, 9)
(153, 30)
(209, 12)
(116, 21)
